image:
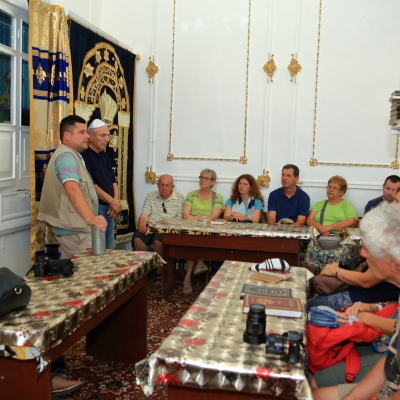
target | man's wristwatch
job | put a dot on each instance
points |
(337, 271)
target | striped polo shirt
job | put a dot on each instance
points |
(153, 206)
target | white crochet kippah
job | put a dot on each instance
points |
(96, 123)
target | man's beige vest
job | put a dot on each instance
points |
(55, 206)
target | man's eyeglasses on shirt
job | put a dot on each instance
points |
(204, 178)
(163, 207)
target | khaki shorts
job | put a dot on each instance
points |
(71, 244)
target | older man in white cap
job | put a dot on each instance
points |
(100, 167)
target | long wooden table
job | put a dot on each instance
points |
(205, 356)
(189, 239)
(106, 300)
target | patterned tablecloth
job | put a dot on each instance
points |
(194, 227)
(60, 305)
(206, 349)
(352, 236)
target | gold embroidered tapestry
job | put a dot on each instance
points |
(49, 64)
(103, 87)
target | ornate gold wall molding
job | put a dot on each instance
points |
(270, 67)
(150, 176)
(151, 69)
(313, 160)
(170, 155)
(263, 180)
(294, 68)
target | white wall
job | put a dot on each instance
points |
(358, 61)
(358, 69)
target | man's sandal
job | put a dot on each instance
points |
(187, 287)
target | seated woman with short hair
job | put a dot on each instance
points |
(337, 214)
(246, 202)
(203, 202)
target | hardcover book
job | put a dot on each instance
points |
(281, 274)
(275, 306)
(266, 291)
(258, 276)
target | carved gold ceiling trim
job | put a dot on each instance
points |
(151, 69)
(263, 180)
(294, 68)
(270, 67)
(314, 161)
(170, 155)
(150, 176)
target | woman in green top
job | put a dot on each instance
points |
(198, 204)
(339, 214)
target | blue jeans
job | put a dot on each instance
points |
(110, 238)
(335, 301)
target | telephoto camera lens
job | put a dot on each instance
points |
(255, 325)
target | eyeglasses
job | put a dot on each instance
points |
(204, 178)
(332, 188)
(163, 207)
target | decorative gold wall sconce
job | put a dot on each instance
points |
(263, 180)
(151, 69)
(270, 67)
(150, 176)
(294, 67)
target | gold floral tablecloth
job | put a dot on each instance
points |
(61, 305)
(195, 227)
(206, 349)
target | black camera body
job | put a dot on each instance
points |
(287, 344)
(45, 266)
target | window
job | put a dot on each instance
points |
(14, 98)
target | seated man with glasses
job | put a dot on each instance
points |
(160, 204)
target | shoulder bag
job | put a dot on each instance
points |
(14, 292)
(325, 285)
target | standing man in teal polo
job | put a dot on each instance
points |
(69, 202)
(288, 202)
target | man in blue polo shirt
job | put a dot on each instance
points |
(99, 165)
(288, 202)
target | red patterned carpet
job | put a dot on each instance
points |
(115, 381)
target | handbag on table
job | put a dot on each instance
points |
(14, 292)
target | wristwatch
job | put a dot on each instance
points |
(337, 271)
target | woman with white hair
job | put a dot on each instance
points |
(380, 232)
(203, 202)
